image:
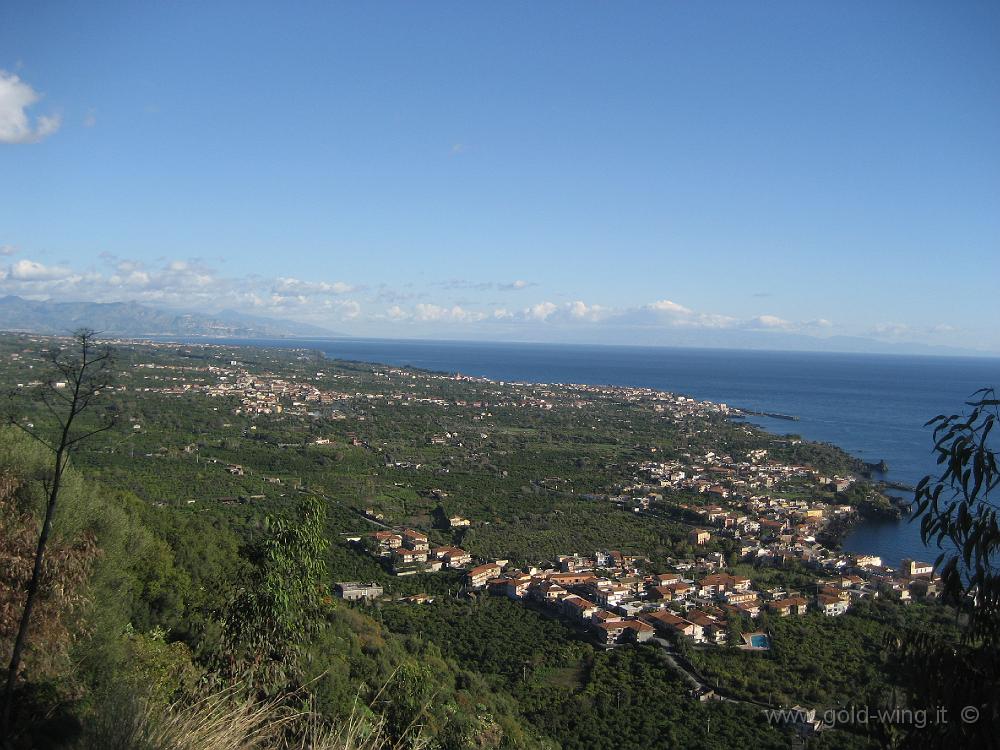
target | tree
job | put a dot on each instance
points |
(79, 373)
(272, 617)
(959, 516)
(957, 508)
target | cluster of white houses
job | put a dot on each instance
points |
(744, 506)
(630, 606)
(263, 394)
(409, 552)
(258, 394)
(268, 394)
(720, 476)
(625, 604)
(610, 592)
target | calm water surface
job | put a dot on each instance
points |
(873, 406)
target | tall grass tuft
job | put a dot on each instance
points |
(231, 720)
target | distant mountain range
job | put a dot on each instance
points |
(131, 319)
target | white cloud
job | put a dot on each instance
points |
(669, 306)
(193, 285)
(541, 311)
(772, 322)
(283, 284)
(131, 279)
(397, 313)
(7, 249)
(516, 285)
(184, 285)
(891, 330)
(90, 119)
(580, 310)
(714, 320)
(426, 312)
(29, 270)
(672, 314)
(485, 286)
(663, 313)
(386, 294)
(347, 309)
(16, 126)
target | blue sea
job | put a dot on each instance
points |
(873, 406)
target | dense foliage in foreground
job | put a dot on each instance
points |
(486, 674)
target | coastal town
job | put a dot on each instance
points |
(768, 513)
(267, 393)
(619, 600)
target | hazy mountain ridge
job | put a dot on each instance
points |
(135, 319)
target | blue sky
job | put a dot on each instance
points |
(673, 173)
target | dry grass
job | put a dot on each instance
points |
(229, 720)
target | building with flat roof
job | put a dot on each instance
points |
(352, 591)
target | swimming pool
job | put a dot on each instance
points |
(759, 640)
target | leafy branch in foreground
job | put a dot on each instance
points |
(957, 507)
(277, 610)
(79, 373)
(959, 516)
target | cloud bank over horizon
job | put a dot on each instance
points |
(527, 311)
